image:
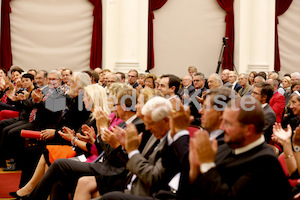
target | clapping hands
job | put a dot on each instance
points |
(281, 136)
(101, 117)
(180, 116)
(89, 134)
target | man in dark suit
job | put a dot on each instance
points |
(67, 172)
(132, 78)
(39, 115)
(233, 80)
(187, 87)
(149, 174)
(211, 112)
(243, 168)
(176, 153)
(263, 92)
(199, 84)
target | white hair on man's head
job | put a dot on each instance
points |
(187, 77)
(218, 78)
(82, 79)
(260, 78)
(55, 72)
(296, 75)
(159, 108)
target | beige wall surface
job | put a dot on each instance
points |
(57, 33)
(51, 34)
(188, 33)
(289, 39)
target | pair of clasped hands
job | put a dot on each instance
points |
(201, 148)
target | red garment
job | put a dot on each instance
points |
(7, 114)
(277, 103)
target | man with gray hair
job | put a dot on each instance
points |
(225, 78)
(187, 87)
(246, 87)
(214, 81)
(295, 77)
(149, 176)
(259, 79)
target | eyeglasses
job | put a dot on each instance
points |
(256, 93)
(117, 104)
(130, 76)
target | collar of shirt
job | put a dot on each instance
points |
(215, 134)
(249, 146)
(179, 134)
(187, 86)
(162, 139)
(172, 97)
(130, 120)
(233, 85)
(264, 105)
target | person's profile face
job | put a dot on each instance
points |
(210, 118)
(234, 131)
(155, 127)
(2, 74)
(212, 82)
(164, 86)
(295, 105)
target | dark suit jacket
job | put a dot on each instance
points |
(254, 174)
(45, 117)
(72, 118)
(135, 85)
(237, 87)
(175, 159)
(270, 119)
(189, 90)
(149, 171)
(112, 171)
(193, 106)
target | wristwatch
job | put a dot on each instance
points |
(296, 148)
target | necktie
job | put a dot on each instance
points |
(130, 178)
(33, 112)
(98, 158)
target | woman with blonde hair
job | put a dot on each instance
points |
(94, 97)
(87, 186)
(150, 81)
(286, 83)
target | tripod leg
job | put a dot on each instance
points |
(220, 58)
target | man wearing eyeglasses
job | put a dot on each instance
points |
(199, 84)
(263, 92)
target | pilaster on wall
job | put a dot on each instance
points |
(254, 30)
(125, 26)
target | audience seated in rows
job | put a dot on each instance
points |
(195, 164)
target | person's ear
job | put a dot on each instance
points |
(251, 129)
(264, 97)
(173, 88)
